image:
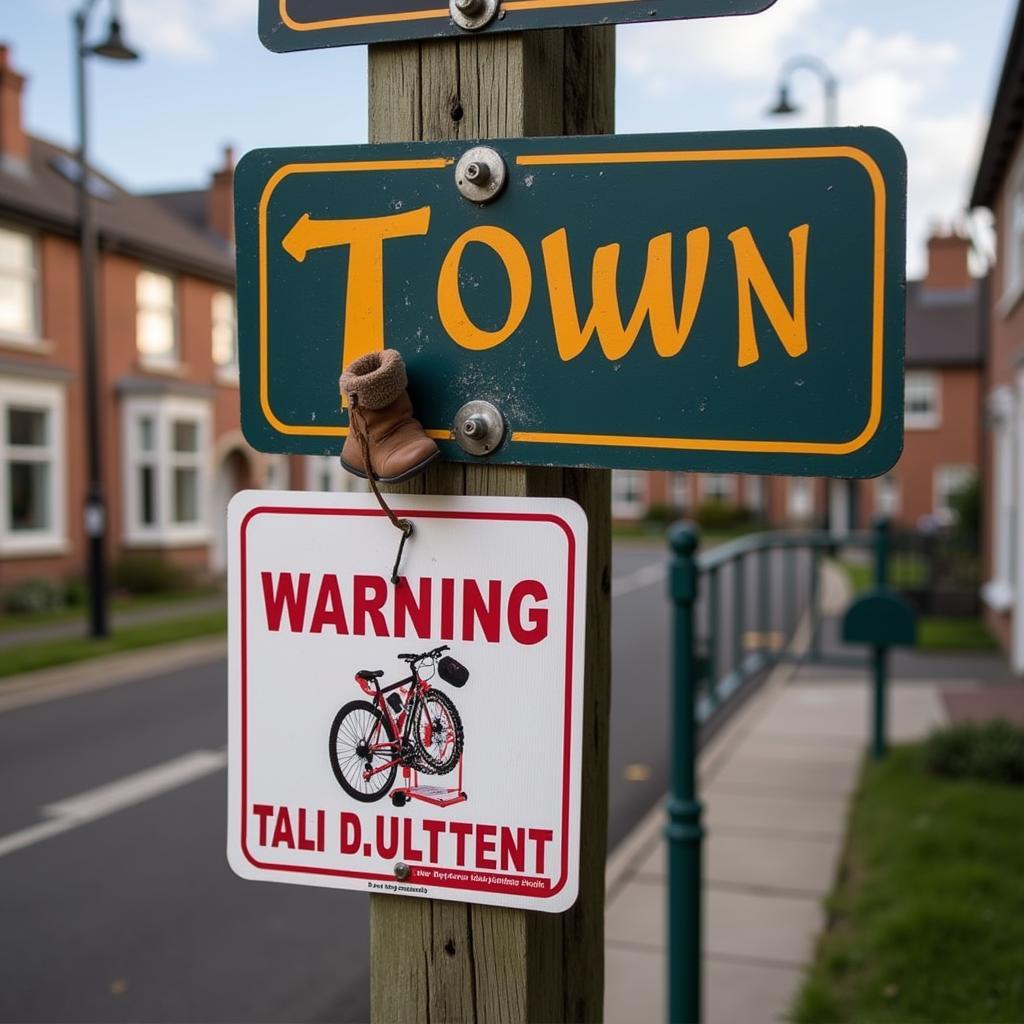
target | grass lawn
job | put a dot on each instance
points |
(33, 656)
(927, 918)
(937, 634)
(26, 620)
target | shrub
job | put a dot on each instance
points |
(992, 751)
(34, 596)
(662, 514)
(148, 574)
(720, 515)
(74, 592)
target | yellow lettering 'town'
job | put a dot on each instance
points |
(752, 276)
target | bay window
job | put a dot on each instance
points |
(167, 441)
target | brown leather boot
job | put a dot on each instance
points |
(375, 386)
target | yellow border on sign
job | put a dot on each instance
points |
(382, 19)
(671, 156)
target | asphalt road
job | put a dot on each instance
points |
(119, 905)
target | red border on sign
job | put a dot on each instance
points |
(495, 882)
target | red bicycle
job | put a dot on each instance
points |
(408, 724)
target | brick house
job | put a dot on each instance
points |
(172, 448)
(943, 446)
(999, 186)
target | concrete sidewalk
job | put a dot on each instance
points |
(776, 784)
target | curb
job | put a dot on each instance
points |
(113, 670)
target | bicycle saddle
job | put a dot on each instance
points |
(365, 673)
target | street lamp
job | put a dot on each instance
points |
(113, 48)
(828, 80)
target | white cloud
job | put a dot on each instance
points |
(894, 80)
(183, 29)
(740, 49)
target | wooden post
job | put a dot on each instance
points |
(435, 961)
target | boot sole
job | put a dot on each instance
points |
(407, 475)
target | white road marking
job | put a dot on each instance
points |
(115, 796)
(645, 576)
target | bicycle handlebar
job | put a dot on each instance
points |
(427, 654)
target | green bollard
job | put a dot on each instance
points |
(881, 699)
(880, 658)
(683, 831)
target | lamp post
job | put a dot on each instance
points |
(113, 48)
(828, 80)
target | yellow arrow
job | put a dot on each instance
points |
(307, 234)
(364, 288)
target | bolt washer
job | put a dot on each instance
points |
(491, 174)
(474, 14)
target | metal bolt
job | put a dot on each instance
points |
(402, 871)
(480, 174)
(475, 426)
(473, 15)
(477, 173)
(479, 428)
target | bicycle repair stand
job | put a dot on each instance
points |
(439, 796)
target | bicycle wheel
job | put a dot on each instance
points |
(438, 734)
(356, 727)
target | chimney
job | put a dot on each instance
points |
(220, 202)
(947, 263)
(13, 140)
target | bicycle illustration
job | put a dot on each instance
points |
(408, 725)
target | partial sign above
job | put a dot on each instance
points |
(726, 302)
(307, 24)
(422, 739)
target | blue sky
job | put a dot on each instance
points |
(924, 69)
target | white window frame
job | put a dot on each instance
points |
(941, 509)
(149, 360)
(923, 381)
(680, 491)
(726, 492)
(800, 499)
(753, 493)
(226, 372)
(275, 465)
(164, 411)
(321, 468)
(888, 496)
(629, 494)
(33, 337)
(999, 590)
(50, 398)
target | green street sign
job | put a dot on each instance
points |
(723, 302)
(309, 24)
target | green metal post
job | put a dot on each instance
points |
(881, 527)
(683, 831)
(878, 724)
(789, 615)
(712, 634)
(764, 616)
(814, 600)
(880, 695)
(738, 608)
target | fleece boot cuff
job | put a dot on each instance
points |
(376, 379)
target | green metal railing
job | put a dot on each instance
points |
(768, 582)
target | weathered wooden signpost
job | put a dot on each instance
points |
(566, 301)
